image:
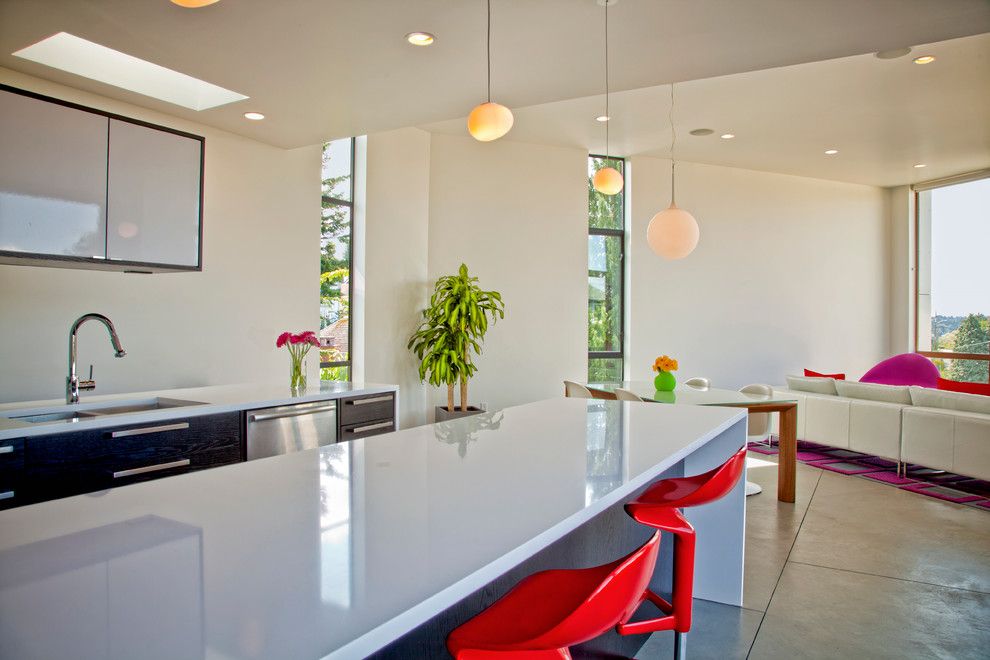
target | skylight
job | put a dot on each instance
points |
(91, 60)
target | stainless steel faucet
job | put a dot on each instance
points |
(72, 385)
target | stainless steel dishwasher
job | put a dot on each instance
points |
(287, 429)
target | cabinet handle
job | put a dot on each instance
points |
(292, 413)
(150, 429)
(151, 468)
(364, 402)
(370, 427)
(7, 449)
(6, 495)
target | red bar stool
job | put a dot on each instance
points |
(550, 611)
(658, 507)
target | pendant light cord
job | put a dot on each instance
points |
(489, 51)
(608, 118)
(673, 141)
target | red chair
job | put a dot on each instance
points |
(658, 507)
(550, 611)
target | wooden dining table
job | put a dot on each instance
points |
(783, 405)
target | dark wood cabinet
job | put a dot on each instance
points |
(11, 473)
(84, 461)
(364, 416)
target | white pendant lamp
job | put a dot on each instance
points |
(673, 233)
(489, 121)
(608, 180)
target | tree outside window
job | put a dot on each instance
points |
(335, 259)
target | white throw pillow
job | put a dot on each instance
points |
(929, 398)
(814, 385)
(874, 392)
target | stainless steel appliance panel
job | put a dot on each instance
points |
(287, 429)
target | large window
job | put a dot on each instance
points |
(335, 259)
(606, 238)
(953, 279)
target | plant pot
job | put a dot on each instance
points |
(443, 414)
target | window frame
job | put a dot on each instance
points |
(336, 201)
(945, 355)
(621, 235)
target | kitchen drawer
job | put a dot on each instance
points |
(366, 429)
(85, 461)
(11, 472)
(374, 407)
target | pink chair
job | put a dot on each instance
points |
(903, 369)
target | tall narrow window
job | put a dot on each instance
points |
(606, 238)
(953, 282)
(336, 259)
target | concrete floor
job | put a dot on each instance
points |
(853, 569)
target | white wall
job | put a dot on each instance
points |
(790, 272)
(517, 215)
(395, 246)
(261, 260)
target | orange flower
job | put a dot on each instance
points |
(665, 363)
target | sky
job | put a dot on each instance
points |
(961, 249)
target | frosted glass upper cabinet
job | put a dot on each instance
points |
(154, 203)
(53, 179)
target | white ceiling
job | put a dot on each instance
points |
(327, 68)
(884, 116)
(321, 69)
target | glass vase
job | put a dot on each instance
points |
(297, 374)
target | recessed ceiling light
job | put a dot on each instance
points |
(420, 38)
(831, 152)
(256, 116)
(727, 136)
(602, 118)
(91, 60)
(892, 54)
(193, 4)
(924, 59)
(702, 131)
(920, 165)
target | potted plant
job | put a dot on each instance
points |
(453, 328)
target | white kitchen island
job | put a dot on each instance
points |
(341, 551)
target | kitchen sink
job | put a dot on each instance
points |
(73, 416)
(110, 408)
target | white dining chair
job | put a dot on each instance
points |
(627, 395)
(576, 390)
(698, 382)
(758, 426)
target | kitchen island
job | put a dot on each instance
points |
(370, 546)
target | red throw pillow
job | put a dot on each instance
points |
(808, 373)
(960, 386)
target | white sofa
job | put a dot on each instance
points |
(938, 429)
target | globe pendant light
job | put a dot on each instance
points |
(673, 233)
(607, 180)
(489, 121)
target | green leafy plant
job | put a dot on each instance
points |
(453, 327)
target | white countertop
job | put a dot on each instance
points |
(330, 552)
(210, 400)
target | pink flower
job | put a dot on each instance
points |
(305, 337)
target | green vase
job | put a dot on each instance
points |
(665, 381)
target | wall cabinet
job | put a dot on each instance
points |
(152, 196)
(84, 461)
(53, 179)
(82, 188)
